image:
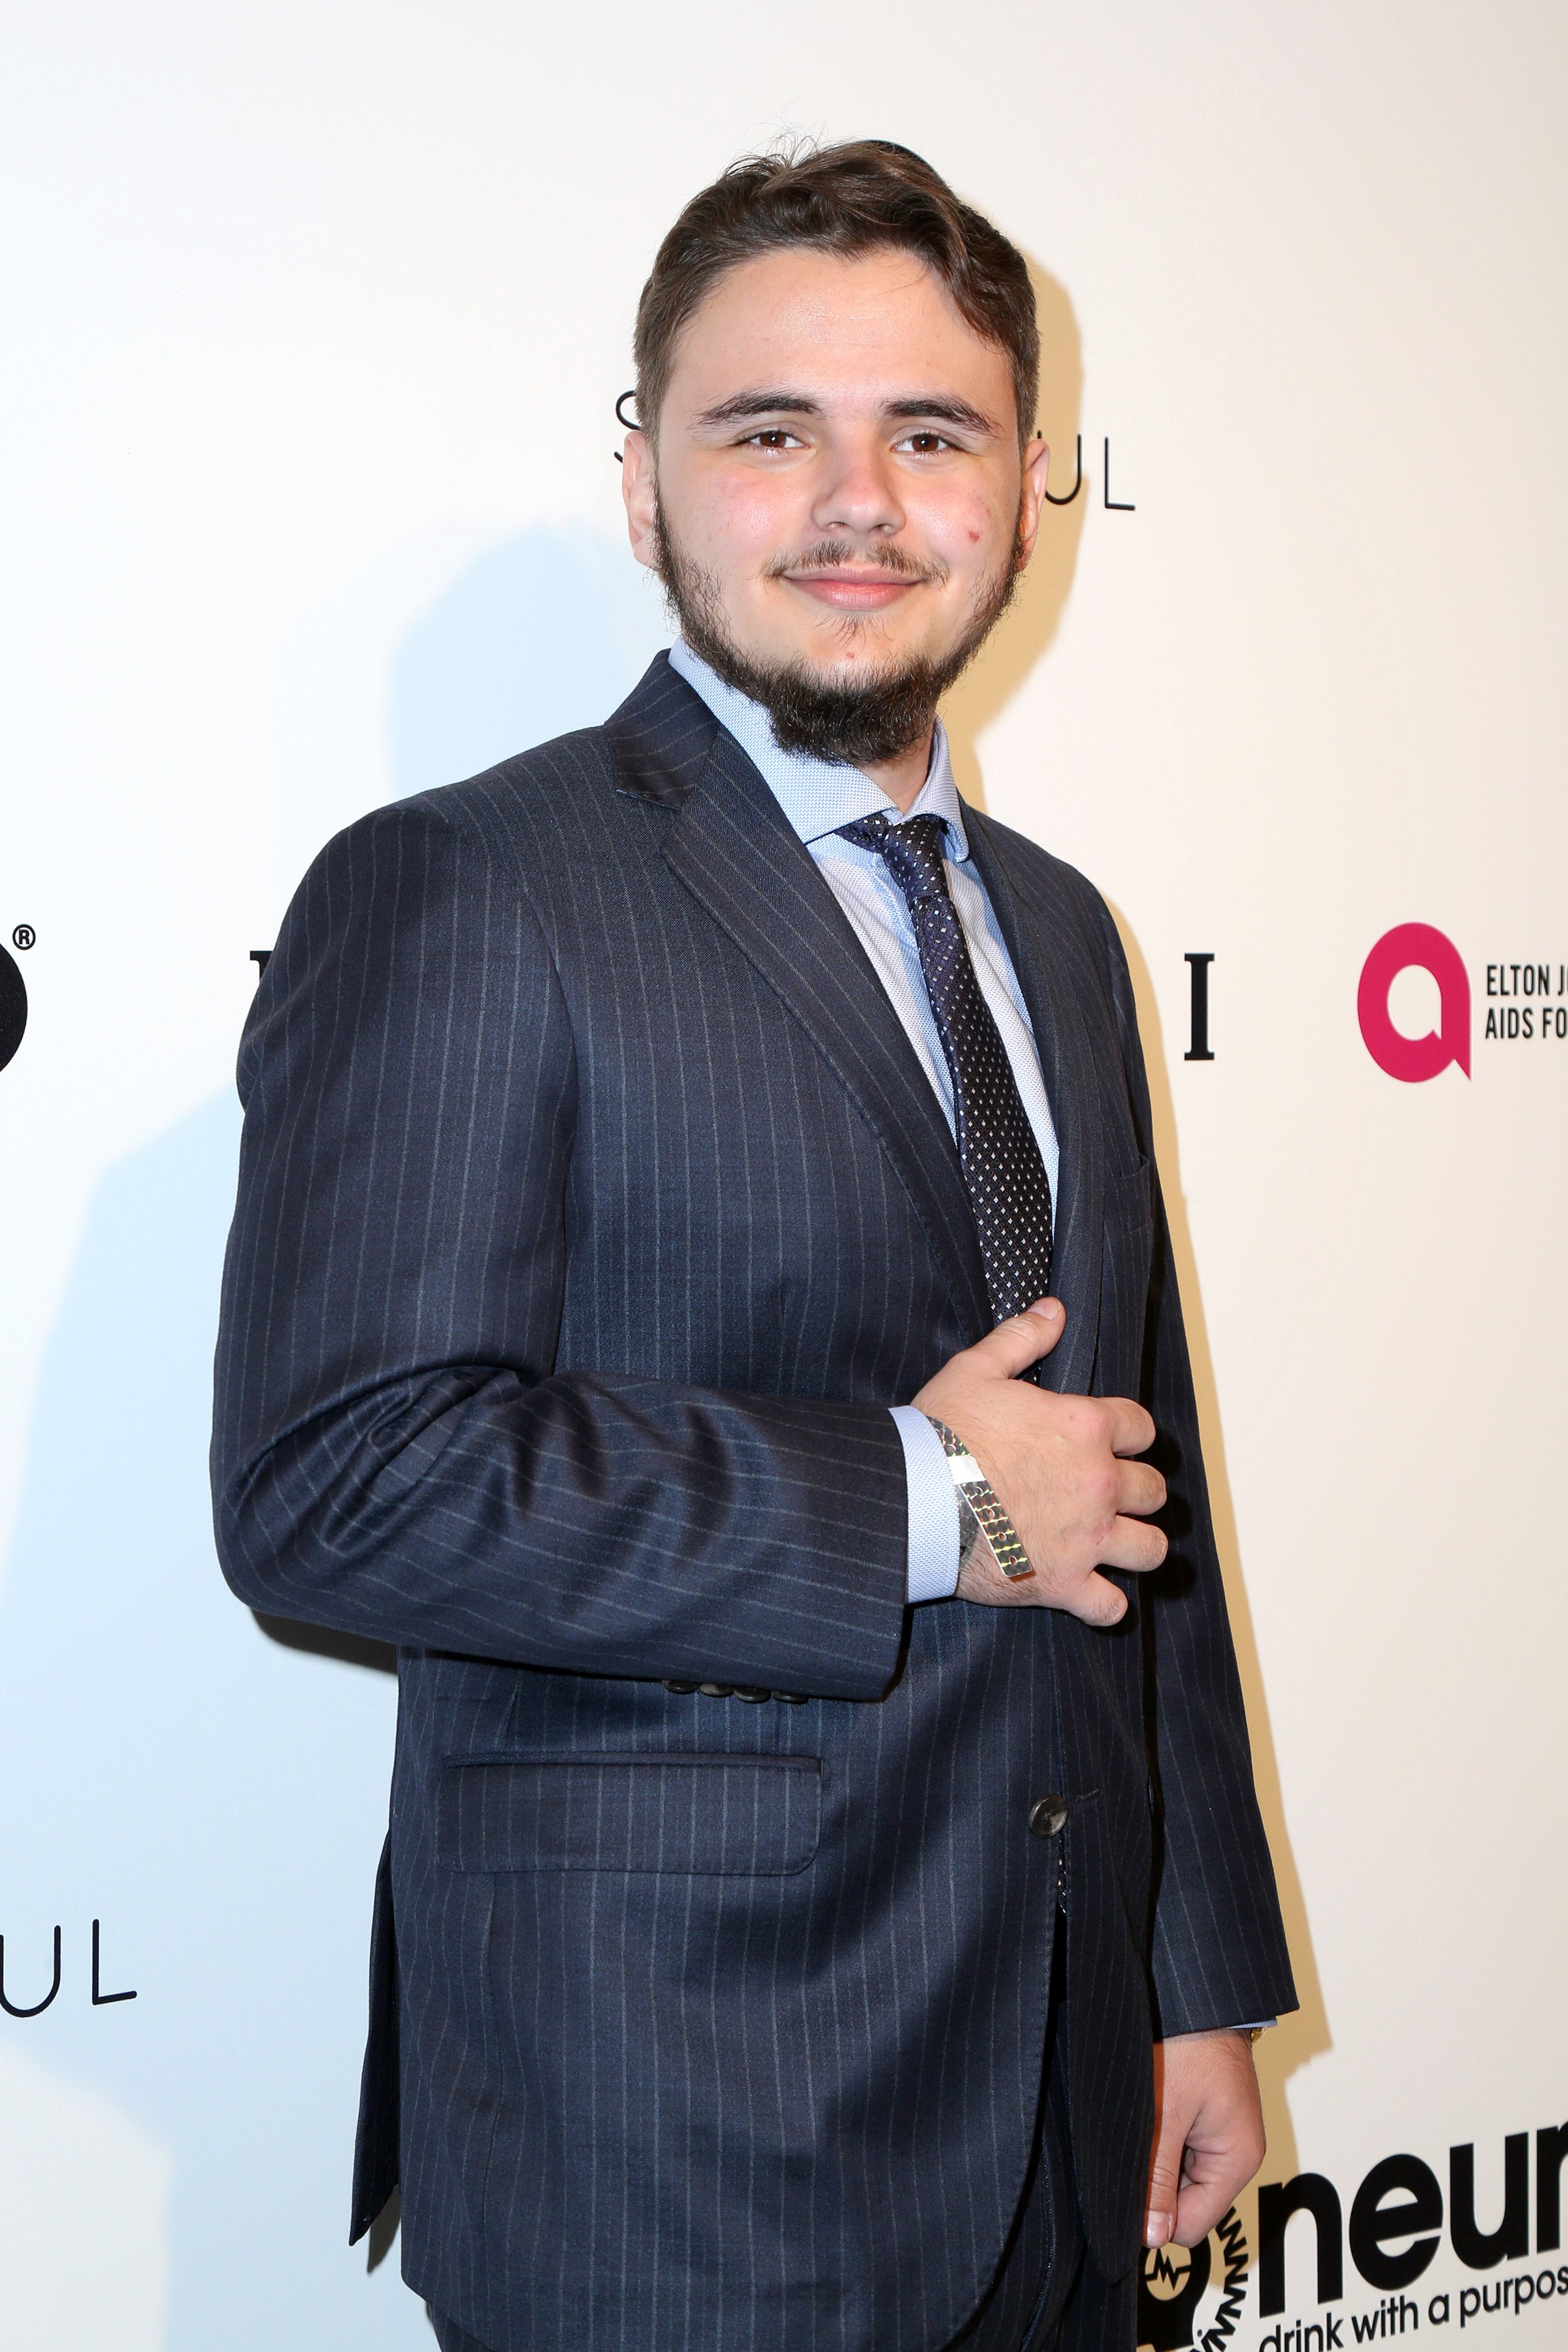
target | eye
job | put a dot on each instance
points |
(925, 442)
(772, 436)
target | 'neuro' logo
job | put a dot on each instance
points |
(1172, 2287)
(1415, 1058)
(1169, 2294)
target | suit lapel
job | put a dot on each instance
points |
(732, 849)
(1042, 942)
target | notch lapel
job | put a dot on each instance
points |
(1043, 943)
(731, 846)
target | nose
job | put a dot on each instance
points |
(857, 491)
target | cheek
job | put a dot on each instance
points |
(738, 522)
(969, 529)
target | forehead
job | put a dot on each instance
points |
(849, 331)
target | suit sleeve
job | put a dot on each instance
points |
(1218, 1954)
(395, 1452)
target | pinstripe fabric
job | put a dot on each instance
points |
(730, 1816)
(593, 1209)
(1044, 2297)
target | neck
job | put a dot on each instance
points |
(902, 776)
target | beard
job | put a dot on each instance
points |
(885, 711)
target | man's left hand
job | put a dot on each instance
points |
(1208, 2134)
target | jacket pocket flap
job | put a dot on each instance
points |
(719, 1816)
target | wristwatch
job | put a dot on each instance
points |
(980, 1509)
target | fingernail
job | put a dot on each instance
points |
(1156, 2228)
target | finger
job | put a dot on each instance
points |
(1131, 1429)
(1094, 1601)
(1021, 1341)
(1139, 1488)
(1132, 1545)
(1200, 2205)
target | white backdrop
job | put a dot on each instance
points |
(315, 317)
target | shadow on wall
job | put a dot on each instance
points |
(216, 1798)
(1027, 630)
(544, 633)
(1305, 2035)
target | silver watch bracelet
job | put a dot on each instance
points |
(976, 1490)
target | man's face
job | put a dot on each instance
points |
(838, 495)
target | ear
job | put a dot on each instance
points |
(639, 486)
(1032, 502)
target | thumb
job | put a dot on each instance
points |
(1021, 1341)
(1164, 2187)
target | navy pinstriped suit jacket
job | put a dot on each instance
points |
(593, 1206)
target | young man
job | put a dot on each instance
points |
(699, 1288)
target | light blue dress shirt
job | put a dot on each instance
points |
(817, 797)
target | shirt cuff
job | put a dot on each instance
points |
(933, 1507)
(1249, 2025)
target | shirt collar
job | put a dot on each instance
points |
(818, 796)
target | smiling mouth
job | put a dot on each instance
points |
(855, 588)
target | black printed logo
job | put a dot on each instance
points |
(1173, 2283)
(13, 1005)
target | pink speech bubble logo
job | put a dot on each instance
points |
(1415, 1058)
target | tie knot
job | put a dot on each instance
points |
(913, 852)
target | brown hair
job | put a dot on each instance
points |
(846, 200)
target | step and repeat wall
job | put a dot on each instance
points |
(316, 319)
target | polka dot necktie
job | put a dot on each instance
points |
(996, 1146)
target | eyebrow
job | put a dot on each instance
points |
(773, 402)
(950, 411)
(766, 402)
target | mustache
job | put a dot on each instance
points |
(830, 554)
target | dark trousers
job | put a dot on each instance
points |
(1046, 2295)
(1095, 2317)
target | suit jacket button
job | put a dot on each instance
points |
(1047, 1815)
(753, 1697)
(682, 1690)
(716, 1690)
(791, 1698)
